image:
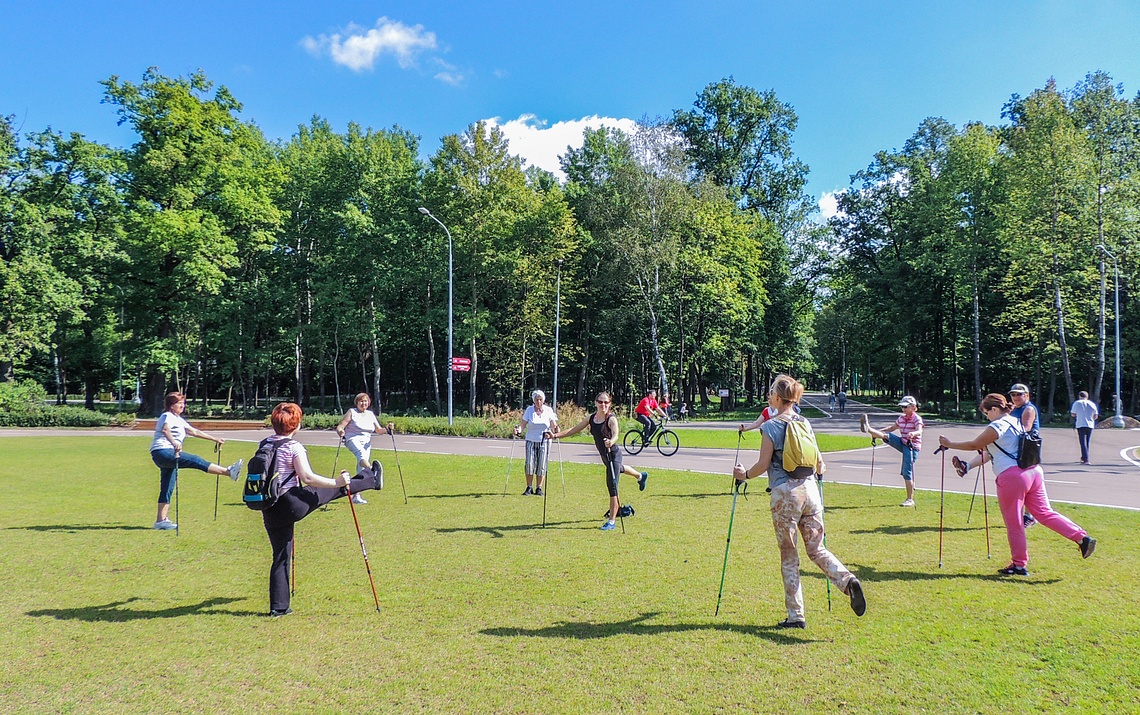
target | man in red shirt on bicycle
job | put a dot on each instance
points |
(646, 410)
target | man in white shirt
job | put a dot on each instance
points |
(1084, 413)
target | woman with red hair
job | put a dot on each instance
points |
(302, 492)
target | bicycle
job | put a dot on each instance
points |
(666, 440)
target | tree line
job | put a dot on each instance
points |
(686, 254)
(218, 262)
(979, 256)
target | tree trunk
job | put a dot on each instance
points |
(375, 357)
(977, 347)
(1061, 342)
(471, 378)
(1098, 369)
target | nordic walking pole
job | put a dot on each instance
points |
(822, 509)
(336, 459)
(736, 459)
(871, 484)
(348, 493)
(398, 467)
(546, 468)
(217, 478)
(727, 543)
(561, 470)
(975, 494)
(176, 519)
(942, 504)
(985, 507)
(510, 461)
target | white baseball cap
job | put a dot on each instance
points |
(908, 400)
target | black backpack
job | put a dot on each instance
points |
(1028, 448)
(263, 483)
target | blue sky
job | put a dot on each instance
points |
(860, 75)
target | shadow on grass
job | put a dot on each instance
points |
(588, 630)
(473, 495)
(499, 531)
(115, 612)
(895, 530)
(871, 575)
(75, 528)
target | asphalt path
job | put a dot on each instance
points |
(1112, 480)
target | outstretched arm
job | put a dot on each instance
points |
(573, 430)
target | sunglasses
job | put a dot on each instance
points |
(602, 402)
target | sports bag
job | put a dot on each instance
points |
(1028, 448)
(263, 483)
(800, 452)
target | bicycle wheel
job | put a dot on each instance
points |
(634, 441)
(668, 442)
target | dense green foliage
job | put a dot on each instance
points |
(969, 259)
(209, 259)
(484, 611)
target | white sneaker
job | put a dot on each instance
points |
(357, 499)
(908, 502)
(235, 469)
(165, 525)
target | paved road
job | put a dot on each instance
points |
(1113, 479)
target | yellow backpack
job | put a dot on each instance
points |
(801, 454)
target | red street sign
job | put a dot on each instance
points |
(461, 368)
(460, 361)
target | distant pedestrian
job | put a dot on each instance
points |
(796, 506)
(1018, 488)
(842, 397)
(831, 401)
(908, 440)
(166, 452)
(1085, 414)
(684, 411)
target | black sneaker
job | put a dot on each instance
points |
(1027, 520)
(1088, 546)
(858, 600)
(788, 623)
(538, 491)
(961, 467)
(278, 614)
(528, 492)
(641, 482)
(378, 472)
(1012, 570)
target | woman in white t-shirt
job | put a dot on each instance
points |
(166, 452)
(302, 492)
(1017, 488)
(356, 429)
(539, 421)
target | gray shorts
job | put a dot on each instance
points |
(537, 454)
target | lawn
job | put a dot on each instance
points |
(484, 611)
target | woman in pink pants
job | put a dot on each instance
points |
(1017, 488)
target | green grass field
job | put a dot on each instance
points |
(484, 611)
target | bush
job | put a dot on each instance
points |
(53, 416)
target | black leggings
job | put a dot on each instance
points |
(613, 463)
(292, 506)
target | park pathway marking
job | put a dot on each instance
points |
(1059, 481)
(1126, 454)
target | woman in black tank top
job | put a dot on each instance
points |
(604, 429)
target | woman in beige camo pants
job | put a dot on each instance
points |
(796, 506)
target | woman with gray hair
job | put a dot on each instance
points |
(539, 421)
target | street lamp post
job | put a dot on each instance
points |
(1118, 417)
(557, 324)
(450, 323)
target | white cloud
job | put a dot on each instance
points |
(540, 145)
(358, 48)
(829, 204)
